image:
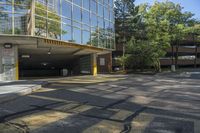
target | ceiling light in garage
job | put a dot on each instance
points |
(25, 56)
(44, 63)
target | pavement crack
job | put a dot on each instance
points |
(22, 127)
(128, 120)
(117, 102)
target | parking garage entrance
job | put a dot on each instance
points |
(40, 57)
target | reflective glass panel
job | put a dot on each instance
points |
(6, 7)
(6, 1)
(5, 23)
(77, 13)
(100, 23)
(93, 6)
(40, 26)
(23, 2)
(86, 17)
(106, 13)
(20, 24)
(76, 24)
(20, 8)
(54, 6)
(66, 21)
(94, 37)
(54, 29)
(54, 16)
(111, 3)
(86, 37)
(41, 12)
(86, 4)
(66, 9)
(94, 21)
(100, 10)
(66, 33)
(77, 35)
(78, 2)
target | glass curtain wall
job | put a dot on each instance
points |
(14, 16)
(86, 22)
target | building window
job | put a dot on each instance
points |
(40, 26)
(66, 9)
(93, 6)
(78, 2)
(106, 13)
(100, 10)
(86, 18)
(20, 24)
(77, 13)
(77, 35)
(66, 33)
(54, 29)
(6, 7)
(100, 23)
(94, 21)
(86, 37)
(79, 21)
(86, 4)
(6, 23)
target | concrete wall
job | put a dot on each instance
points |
(8, 63)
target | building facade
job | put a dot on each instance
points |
(183, 54)
(49, 36)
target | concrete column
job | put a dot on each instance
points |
(1, 66)
(9, 70)
(94, 64)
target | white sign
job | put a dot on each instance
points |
(8, 52)
(8, 60)
(102, 62)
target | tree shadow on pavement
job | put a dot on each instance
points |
(107, 107)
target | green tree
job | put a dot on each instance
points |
(165, 23)
(155, 28)
(125, 17)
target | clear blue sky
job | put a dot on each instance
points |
(189, 5)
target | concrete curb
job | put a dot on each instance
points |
(26, 91)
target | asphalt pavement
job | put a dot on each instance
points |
(162, 103)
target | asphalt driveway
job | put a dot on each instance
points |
(163, 103)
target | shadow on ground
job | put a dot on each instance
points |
(134, 103)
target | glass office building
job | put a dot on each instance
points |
(46, 37)
(84, 22)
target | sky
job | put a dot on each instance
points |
(189, 5)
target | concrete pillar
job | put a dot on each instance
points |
(1, 66)
(9, 69)
(94, 64)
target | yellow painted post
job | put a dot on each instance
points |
(94, 64)
(17, 70)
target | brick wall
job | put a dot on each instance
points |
(104, 63)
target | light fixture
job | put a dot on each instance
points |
(25, 56)
(8, 45)
(44, 63)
